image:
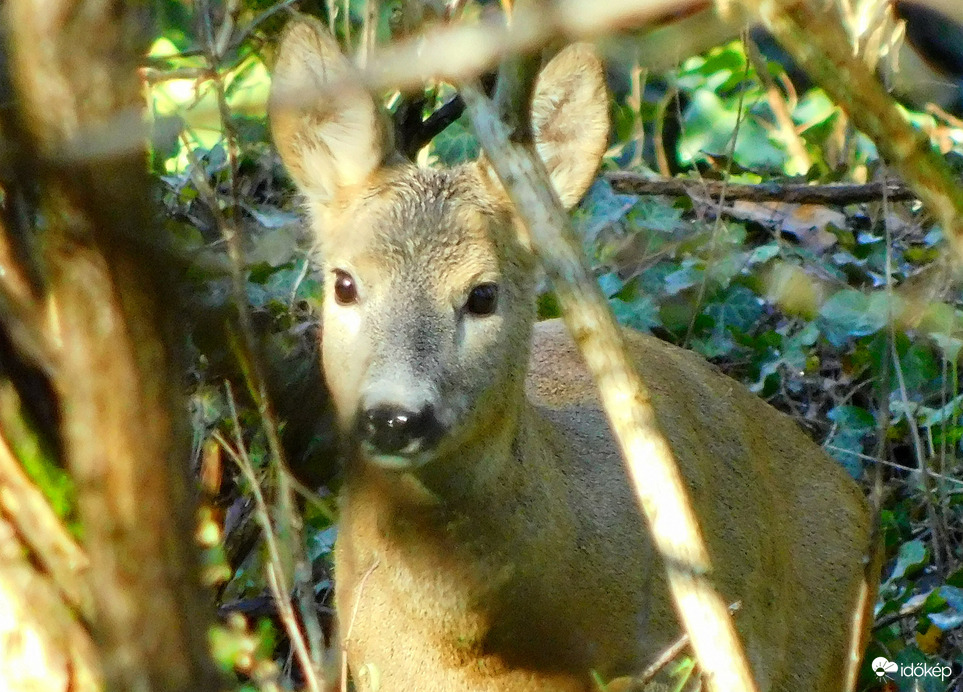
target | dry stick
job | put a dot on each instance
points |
(250, 365)
(219, 45)
(516, 79)
(354, 614)
(368, 30)
(651, 465)
(277, 580)
(822, 48)
(667, 656)
(346, 25)
(670, 99)
(793, 193)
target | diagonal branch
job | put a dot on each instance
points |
(651, 465)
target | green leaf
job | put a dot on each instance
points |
(740, 309)
(610, 283)
(641, 313)
(601, 207)
(921, 677)
(853, 418)
(685, 277)
(851, 313)
(456, 144)
(913, 555)
(952, 617)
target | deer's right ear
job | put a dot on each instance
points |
(328, 130)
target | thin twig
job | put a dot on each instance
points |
(892, 464)
(219, 45)
(939, 544)
(798, 156)
(255, 373)
(354, 615)
(346, 25)
(902, 614)
(290, 622)
(718, 223)
(667, 656)
(368, 31)
(277, 581)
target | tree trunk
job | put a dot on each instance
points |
(102, 311)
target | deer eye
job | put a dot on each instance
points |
(482, 300)
(345, 290)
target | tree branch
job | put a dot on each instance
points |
(795, 193)
(651, 465)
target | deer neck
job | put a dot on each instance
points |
(484, 476)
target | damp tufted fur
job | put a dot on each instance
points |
(511, 556)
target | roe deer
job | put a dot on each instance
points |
(489, 539)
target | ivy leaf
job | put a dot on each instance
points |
(952, 617)
(600, 207)
(610, 283)
(740, 309)
(456, 144)
(912, 556)
(641, 313)
(851, 313)
(685, 277)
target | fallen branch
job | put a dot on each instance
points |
(795, 193)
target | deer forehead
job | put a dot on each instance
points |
(436, 222)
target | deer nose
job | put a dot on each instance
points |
(393, 429)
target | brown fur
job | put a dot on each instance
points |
(511, 556)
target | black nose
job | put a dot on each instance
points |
(391, 429)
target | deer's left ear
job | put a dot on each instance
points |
(570, 120)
